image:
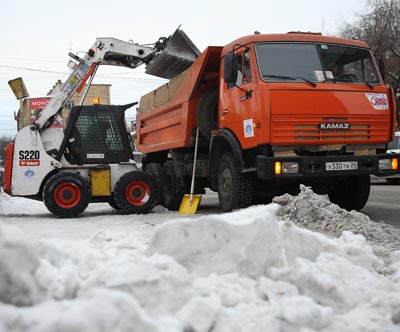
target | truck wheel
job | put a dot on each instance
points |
(154, 171)
(207, 113)
(173, 186)
(234, 188)
(135, 193)
(351, 194)
(66, 194)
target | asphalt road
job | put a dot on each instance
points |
(384, 203)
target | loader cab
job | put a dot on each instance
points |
(97, 134)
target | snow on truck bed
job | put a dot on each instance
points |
(299, 264)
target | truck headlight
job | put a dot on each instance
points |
(288, 167)
(392, 163)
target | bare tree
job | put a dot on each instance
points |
(379, 26)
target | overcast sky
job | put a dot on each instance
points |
(36, 36)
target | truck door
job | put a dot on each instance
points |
(238, 103)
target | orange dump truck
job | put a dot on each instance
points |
(274, 111)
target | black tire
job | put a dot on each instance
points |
(207, 113)
(112, 203)
(66, 194)
(393, 181)
(154, 171)
(135, 193)
(352, 193)
(173, 186)
(234, 188)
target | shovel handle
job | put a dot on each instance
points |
(194, 164)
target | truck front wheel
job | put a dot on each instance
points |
(352, 193)
(234, 188)
(66, 194)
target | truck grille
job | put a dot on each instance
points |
(297, 130)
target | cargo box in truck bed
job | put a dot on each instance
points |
(166, 116)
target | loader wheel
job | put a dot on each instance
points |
(135, 192)
(207, 113)
(234, 188)
(352, 193)
(112, 203)
(154, 171)
(173, 186)
(66, 194)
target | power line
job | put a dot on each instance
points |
(29, 59)
(136, 79)
(32, 69)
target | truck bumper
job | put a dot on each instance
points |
(326, 166)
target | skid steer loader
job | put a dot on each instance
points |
(91, 160)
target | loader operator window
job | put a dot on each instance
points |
(312, 62)
(100, 136)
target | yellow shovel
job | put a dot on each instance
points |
(191, 202)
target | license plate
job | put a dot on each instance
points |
(341, 165)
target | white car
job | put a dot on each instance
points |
(394, 147)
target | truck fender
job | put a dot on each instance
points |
(222, 141)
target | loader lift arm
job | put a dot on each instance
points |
(105, 51)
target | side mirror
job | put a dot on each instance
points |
(230, 68)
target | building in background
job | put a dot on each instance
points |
(31, 107)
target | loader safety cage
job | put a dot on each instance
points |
(97, 134)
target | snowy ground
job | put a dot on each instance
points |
(299, 264)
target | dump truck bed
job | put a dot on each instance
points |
(167, 116)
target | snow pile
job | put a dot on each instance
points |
(226, 243)
(318, 214)
(18, 263)
(241, 271)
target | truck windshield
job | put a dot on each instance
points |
(304, 62)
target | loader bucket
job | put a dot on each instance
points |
(177, 56)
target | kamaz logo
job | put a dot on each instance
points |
(334, 126)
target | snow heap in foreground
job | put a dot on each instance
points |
(240, 271)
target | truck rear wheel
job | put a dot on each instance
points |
(234, 188)
(135, 193)
(207, 113)
(66, 194)
(173, 186)
(154, 171)
(352, 193)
